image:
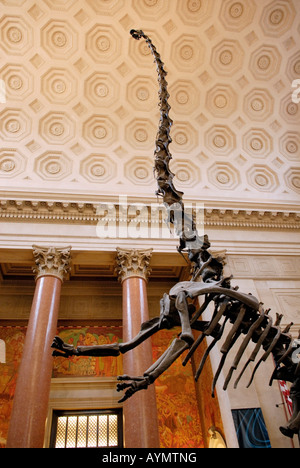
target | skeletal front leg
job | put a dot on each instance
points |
(66, 350)
(135, 384)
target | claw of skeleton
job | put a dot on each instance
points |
(58, 354)
(57, 342)
(62, 349)
(127, 395)
(121, 387)
(133, 387)
(124, 377)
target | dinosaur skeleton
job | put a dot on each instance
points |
(244, 312)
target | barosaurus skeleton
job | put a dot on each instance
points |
(244, 312)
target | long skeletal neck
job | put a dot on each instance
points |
(162, 153)
(172, 198)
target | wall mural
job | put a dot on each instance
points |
(178, 414)
(14, 338)
(87, 366)
(182, 422)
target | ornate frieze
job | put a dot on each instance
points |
(51, 261)
(85, 212)
(133, 263)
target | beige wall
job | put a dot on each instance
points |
(275, 281)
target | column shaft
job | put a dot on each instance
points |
(30, 407)
(140, 411)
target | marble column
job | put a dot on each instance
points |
(30, 406)
(140, 412)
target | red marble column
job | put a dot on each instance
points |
(140, 411)
(30, 406)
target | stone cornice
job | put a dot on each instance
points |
(73, 212)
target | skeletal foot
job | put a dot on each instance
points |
(134, 384)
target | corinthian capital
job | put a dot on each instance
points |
(133, 263)
(51, 261)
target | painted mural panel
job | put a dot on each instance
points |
(178, 415)
(13, 338)
(87, 366)
(183, 420)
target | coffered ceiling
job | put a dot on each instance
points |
(78, 110)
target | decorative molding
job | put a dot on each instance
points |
(264, 267)
(288, 301)
(71, 212)
(133, 263)
(51, 261)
